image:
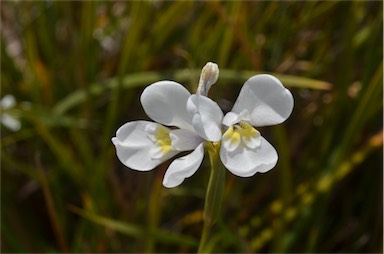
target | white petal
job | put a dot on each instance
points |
(183, 167)
(165, 102)
(232, 118)
(156, 152)
(10, 122)
(185, 140)
(206, 117)
(151, 130)
(266, 99)
(8, 101)
(134, 147)
(246, 162)
(252, 142)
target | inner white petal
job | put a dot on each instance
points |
(150, 130)
(231, 118)
(157, 151)
(184, 140)
(206, 117)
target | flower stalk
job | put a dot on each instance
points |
(214, 195)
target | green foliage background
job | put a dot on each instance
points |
(77, 70)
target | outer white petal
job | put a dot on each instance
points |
(183, 167)
(206, 117)
(165, 102)
(133, 147)
(266, 99)
(246, 162)
(185, 140)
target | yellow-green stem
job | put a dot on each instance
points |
(214, 195)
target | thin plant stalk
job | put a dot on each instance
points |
(214, 195)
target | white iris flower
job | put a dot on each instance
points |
(143, 145)
(263, 101)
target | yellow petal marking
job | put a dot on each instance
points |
(163, 140)
(232, 136)
(241, 132)
(246, 131)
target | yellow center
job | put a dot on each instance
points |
(163, 140)
(246, 131)
(232, 135)
(241, 131)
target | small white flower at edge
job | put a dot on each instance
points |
(263, 101)
(143, 145)
(8, 120)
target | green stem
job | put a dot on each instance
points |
(214, 195)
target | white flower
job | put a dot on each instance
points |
(8, 120)
(143, 145)
(263, 101)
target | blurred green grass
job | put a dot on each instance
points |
(77, 70)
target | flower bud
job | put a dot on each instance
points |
(208, 77)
